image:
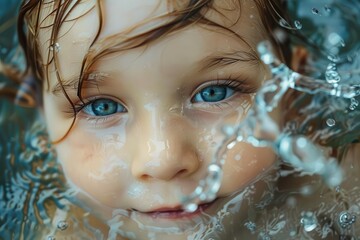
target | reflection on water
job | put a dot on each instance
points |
(35, 199)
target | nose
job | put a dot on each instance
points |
(165, 150)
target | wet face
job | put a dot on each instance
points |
(151, 119)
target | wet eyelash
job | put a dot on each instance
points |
(80, 106)
(75, 108)
(236, 83)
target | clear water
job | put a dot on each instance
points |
(36, 200)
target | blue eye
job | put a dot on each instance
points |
(214, 94)
(103, 107)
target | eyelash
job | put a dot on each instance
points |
(238, 85)
(78, 107)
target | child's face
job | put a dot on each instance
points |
(154, 114)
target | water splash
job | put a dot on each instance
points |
(346, 219)
(353, 104)
(309, 221)
(206, 190)
(331, 75)
(299, 151)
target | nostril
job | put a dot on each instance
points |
(182, 172)
(145, 177)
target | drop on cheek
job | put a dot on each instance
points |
(136, 190)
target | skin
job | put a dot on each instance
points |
(146, 158)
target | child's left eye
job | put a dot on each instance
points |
(214, 93)
(103, 107)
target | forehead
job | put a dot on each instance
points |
(124, 19)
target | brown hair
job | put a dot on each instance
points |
(185, 12)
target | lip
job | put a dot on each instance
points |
(176, 212)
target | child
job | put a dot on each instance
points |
(135, 95)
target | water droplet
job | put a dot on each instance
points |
(334, 58)
(283, 23)
(298, 24)
(335, 39)
(191, 207)
(331, 74)
(228, 130)
(251, 226)
(55, 47)
(309, 221)
(301, 142)
(332, 77)
(353, 104)
(231, 145)
(330, 122)
(346, 219)
(62, 225)
(315, 11)
(331, 67)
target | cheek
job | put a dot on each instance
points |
(244, 164)
(95, 164)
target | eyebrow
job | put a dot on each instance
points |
(224, 59)
(95, 79)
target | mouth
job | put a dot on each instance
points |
(176, 212)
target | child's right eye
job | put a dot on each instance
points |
(103, 107)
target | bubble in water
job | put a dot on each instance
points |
(228, 130)
(315, 11)
(346, 219)
(330, 122)
(298, 24)
(309, 221)
(331, 74)
(353, 104)
(62, 225)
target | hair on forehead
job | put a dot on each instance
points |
(182, 13)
